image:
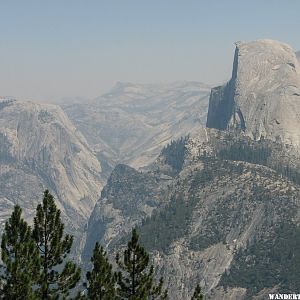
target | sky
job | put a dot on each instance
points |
(55, 49)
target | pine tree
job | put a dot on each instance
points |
(101, 280)
(136, 276)
(197, 293)
(53, 247)
(20, 259)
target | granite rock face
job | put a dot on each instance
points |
(298, 56)
(225, 202)
(128, 197)
(40, 148)
(262, 98)
(200, 219)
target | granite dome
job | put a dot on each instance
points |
(262, 97)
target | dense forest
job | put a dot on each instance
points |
(264, 152)
(36, 263)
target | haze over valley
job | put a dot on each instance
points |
(173, 126)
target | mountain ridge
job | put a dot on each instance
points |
(202, 212)
(225, 202)
(131, 123)
(40, 142)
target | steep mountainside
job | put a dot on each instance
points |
(203, 218)
(221, 207)
(263, 96)
(133, 122)
(298, 55)
(113, 215)
(40, 148)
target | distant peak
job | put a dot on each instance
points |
(266, 46)
(7, 98)
(123, 84)
(140, 88)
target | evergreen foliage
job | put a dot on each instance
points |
(169, 224)
(288, 171)
(136, 276)
(53, 247)
(5, 144)
(32, 260)
(204, 176)
(174, 153)
(172, 222)
(101, 280)
(5, 103)
(20, 259)
(241, 150)
(197, 293)
(260, 153)
(268, 262)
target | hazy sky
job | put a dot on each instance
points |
(54, 49)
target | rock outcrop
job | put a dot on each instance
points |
(225, 202)
(262, 98)
(209, 218)
(128, 197)
(40, 148)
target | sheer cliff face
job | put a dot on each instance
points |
(40, 148)
(263, 96)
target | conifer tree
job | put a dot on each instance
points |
(101, 280)
(197, 293)
(20, 259)
(57, 277)
(136, 276)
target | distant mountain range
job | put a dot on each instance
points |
(216, 205)
(132, 122)
(40, 147)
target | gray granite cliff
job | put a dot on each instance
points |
(263, 96)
